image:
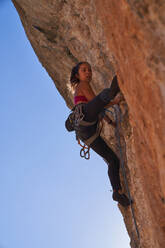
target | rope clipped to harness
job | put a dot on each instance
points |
(84, 152)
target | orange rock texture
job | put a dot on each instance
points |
(126, 37)
(136, 37)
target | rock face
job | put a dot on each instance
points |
(126, 37)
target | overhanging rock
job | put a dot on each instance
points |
(126, 37)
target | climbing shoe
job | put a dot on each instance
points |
(121, 199)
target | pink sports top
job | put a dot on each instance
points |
(80, 98)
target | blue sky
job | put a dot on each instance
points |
(50, 197)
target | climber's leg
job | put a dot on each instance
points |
(113, 173)
(101, 148)
(96, 105)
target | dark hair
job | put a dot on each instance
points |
(73, 79)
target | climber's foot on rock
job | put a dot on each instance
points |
(121, 199)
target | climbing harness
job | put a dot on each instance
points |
(75, 121)
(78, 115)
(118, 120)
(84, 152)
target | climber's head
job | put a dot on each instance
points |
(81, 72)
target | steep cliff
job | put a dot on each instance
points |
(126, 37)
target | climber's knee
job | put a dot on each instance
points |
(105, 95)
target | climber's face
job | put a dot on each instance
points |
(85, 72)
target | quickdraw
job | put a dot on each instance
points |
(84, 152)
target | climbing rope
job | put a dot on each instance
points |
(118, 119)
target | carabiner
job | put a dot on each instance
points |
(85, 154)
(82, 153)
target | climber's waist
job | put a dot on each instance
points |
(85, 130)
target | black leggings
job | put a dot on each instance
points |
(91, 110)
(101, 148)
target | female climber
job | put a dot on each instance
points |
(88, 108)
